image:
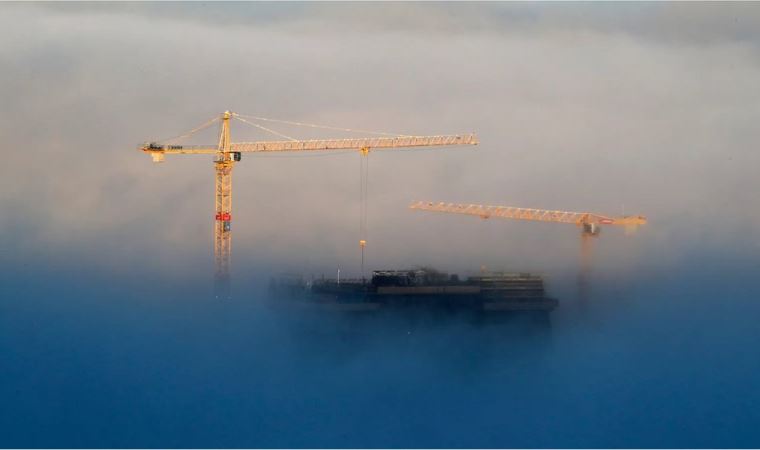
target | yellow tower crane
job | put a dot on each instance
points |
(227, 153)
(589, 223)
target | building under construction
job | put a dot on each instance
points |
(428, 289)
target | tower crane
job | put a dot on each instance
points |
(226, 153)
(589, 223)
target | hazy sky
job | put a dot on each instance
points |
(638, 108)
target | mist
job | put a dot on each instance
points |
(109, 332)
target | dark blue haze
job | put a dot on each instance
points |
(90, 360)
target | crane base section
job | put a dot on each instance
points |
(417, 290)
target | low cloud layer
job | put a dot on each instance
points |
(108, 336)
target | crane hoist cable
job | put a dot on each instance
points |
(363, 174)
(363, 194)
(363, 168)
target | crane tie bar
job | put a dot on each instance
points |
(311, 125)
(191, 132)
(237, 116)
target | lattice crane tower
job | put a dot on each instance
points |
(227, 153)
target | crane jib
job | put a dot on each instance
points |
(317, 144)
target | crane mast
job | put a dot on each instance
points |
(223, 164)
(227, 153)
